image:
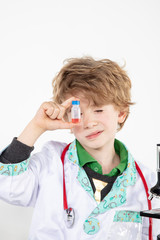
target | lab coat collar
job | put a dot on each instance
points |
(115, 198)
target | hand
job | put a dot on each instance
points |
(50, 115)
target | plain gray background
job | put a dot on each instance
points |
(37, 36)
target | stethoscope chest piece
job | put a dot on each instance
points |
(69, 217)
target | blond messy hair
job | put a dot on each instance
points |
(100, 81)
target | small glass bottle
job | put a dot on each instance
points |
(75, 112)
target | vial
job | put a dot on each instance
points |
(75, 112)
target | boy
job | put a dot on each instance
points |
(102, 184)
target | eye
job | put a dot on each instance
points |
(99, 110)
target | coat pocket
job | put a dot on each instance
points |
(127, 225)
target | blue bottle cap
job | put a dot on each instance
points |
(75, 102)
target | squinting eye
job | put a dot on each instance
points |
(99, 110)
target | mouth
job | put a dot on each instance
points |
(94, 135)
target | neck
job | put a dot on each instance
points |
(105, 156)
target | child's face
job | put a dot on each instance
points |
(98, 124)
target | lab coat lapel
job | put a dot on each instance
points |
(117, 195)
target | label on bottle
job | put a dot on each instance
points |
(75, 114)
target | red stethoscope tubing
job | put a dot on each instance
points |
(147, 194)
(65, 204)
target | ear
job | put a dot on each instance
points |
(122, 116)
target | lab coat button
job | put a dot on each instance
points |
(91, 226)
(96, 169)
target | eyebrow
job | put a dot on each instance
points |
(97, 106)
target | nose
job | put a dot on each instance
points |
(88, 121)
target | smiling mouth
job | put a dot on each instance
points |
(94, 135)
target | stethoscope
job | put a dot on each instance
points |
(69, 212)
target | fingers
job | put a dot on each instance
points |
(52, 116)
(57, 111)
(66, 104)
(53, 110)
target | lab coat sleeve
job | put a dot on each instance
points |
(20, 182)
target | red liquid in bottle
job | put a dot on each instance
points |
(75, 120)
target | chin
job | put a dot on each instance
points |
(94, 145)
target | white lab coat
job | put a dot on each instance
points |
(41, 186)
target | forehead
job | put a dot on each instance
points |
(87, 98)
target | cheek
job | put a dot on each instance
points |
(110, 122)
(76, 131)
